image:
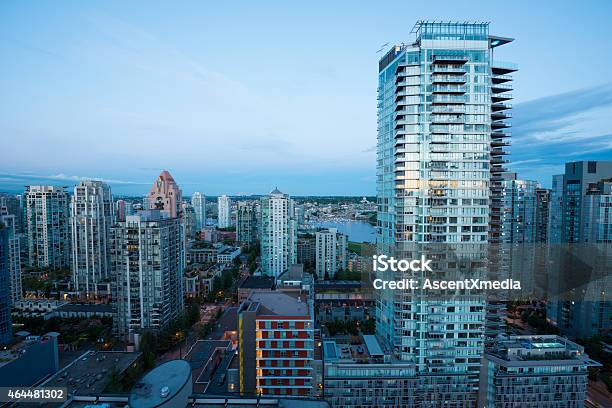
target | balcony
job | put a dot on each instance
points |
(447, 99)
(499, 134)
(448, 69)
(499, 125)
(444, 129)
(499, 88)
(402, 122)
(499, 152)
(448, 109)
(450, 59)
(500, 115)
(443, 119)
(448, 79)
(501, 97)
(498, 160)
(497, 107)
(457, 89)
(500, 79)
(499, 143)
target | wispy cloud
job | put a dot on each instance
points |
(62, 177)
(550, 131)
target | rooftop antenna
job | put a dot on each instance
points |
(382, 47)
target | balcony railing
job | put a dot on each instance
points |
(447, 119)
(449, 89)
(448, 69)
(454, 59)
(448, 109)
(447, 99)
(452, 79)
(501, 97)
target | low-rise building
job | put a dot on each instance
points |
(37, 307)
(48, 308)
(344, 300)
(276, 345)
(199, 279)
(227, 254)
(29, 361)
(365, 375)
(535, 371)
(213, 235)
(94, 371)
(83, 311)
(204, 252)
(201, 253)
(296, 280)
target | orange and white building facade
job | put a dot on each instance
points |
(281, 329)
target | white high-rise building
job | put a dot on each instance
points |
(198, 202)
(91, 219)
(14, 262)
(442, 110)
(224, 205)
(47, 216)
(278, 233)
(148, 258)
(330, 253)
(246, 222)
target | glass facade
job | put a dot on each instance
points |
(47, 214)
(278, 234)
(6, 328)
(91, 220)
(442, 110)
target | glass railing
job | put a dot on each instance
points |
(448, 109)
(446, 68)
(449, 78)
(446, 98)
(502, 86)
(504, 95)
(449, 88)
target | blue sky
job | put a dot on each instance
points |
(240, 97)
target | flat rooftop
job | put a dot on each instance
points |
(279, 303)
(257, 282)
(539, 350)
(204, 358)
(18, 349)
(91, 372)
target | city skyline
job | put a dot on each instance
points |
(332, 206)
(133, 80)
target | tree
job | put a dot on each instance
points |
(227, 279)
(194, 313)
(217, 284)
(147, 348)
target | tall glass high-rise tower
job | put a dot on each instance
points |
(91, 219)
(198, 201)
(47, 217)
(278, 234)
(442, 106)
